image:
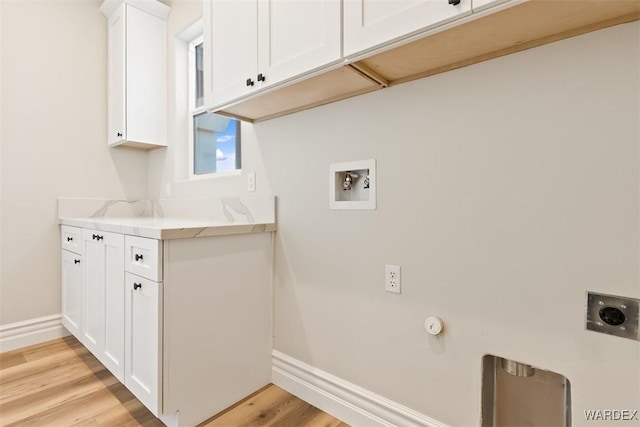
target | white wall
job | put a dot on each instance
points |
(169, 167)
(53, 100)
(507, 189)
(1, 150)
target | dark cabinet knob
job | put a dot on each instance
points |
(138, 257)
(97, 237)
(454, 2)
(120, 133)
(261, 77)
(137, 286)
(76, 261)
(249, 82)
(69, 239)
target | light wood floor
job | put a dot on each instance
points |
(60, 384)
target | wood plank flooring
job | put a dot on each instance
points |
(61, 384)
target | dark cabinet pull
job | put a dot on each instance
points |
(97, 237)
(137, 286)
(76, 261)
(261, 77)
(120, 133)
(249, 82)
(138, 257)
(69, 239)
(454, 2)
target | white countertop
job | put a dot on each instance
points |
(167, 228)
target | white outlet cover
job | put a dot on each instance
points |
(251, 181)
(392, 278)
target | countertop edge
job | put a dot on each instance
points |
(169, 233)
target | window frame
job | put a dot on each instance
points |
(195, 111)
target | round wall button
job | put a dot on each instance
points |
(433, 325)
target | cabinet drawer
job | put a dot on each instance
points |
(71, 239)
(142, 257)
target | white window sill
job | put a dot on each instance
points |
(214, 175)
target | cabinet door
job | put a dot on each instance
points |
(94, 307)
(142, 337)
(116, 75)
(72, 292)
(103, 325)
(230, 50)
(296, 37)
(145, 64)
(372, 23)
(478, 5)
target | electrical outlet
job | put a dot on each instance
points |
(392, 278)
(251, 181)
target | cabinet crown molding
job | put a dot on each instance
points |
(153, 7)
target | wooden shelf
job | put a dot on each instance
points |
(511, 30)
(520, 27)
(331, 86)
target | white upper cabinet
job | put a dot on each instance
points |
(230, 49)
(295, 37)
(116, 110)
(137, 81)
(250, 45)
(369, 24)
(478, 5)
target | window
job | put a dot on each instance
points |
(214, 139)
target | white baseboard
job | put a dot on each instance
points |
(342, 399)
(30, 332)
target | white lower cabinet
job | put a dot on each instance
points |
(72, 292)
(103, 321)
(143, 340)
(184, 324)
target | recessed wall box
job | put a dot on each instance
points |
(518, 394)
(613, 315)
(352, 185)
